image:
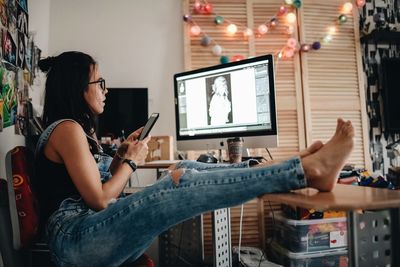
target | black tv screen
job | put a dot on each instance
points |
(126, 109)
(391, 94)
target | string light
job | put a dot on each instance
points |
(231, 29)
(291, 46)
(347, 8)
(262, 29)
(291, 18)
(195, 30)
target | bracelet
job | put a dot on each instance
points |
(131, 163)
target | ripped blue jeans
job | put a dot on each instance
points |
(80, 236)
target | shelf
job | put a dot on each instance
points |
(381, 36)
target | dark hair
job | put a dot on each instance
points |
(67, 79)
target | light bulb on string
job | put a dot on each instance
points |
(205, 41)
(217, 50)
(347, 8)
(291, 18)
(342, 19)
(262, 29)
(290, 29)
(332, 30)
(291, 43)
(282, 10)
(297, 3)
(327, 38)
(224, 59)
(208, 8)
(231, 29)
(187, 18)
(237, 58)
(218, 20)
(247, 32)
(195, 30)
(360, 3)
(273, 22)
(305, 47)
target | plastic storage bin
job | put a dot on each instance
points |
(327, 258)
(310, 235)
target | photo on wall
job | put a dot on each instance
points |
(22, 20)
(1, 114)
(219, 101)
(3, 14)
(21, 50)
(23, 4)
(12, 15)
(28, 54)
(9, 94)
(9, 48)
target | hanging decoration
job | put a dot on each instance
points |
(286, 15)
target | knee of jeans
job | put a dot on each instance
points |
(176, 175)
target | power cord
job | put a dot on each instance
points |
(269, 153)
(240, 231)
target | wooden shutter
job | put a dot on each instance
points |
(332, 76)
(312, 89)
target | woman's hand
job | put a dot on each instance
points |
(135, 135)
(137, 150)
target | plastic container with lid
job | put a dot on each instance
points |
(310, 235)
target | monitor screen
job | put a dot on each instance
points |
(230, 100)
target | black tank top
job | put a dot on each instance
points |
(52, 185)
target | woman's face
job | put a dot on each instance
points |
(94, 94)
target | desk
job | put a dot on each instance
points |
(373, 238)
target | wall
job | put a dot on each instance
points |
(39, 23)
(372, 55)
(137, 43)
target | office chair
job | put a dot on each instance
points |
(19, 246)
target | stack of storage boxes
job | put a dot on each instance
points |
(305, 238)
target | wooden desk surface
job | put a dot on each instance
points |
(343, 197)
(158, 164)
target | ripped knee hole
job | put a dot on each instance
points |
(176, 175)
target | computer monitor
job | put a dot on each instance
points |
(236, 99)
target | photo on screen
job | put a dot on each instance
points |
(219, 101)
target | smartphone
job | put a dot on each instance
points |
(149, 125)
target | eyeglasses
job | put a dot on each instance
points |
(102, 84)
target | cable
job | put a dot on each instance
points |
(240, 230)
(270, 156)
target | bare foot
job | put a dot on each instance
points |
(317, 145)
(322, 168)
(303, 153)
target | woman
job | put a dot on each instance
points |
(88, 224)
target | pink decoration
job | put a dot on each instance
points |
(262, 29)
(237, 58)
(292, 43)
(195, 30)
(360, 3)
(282, 10)
(208, 8)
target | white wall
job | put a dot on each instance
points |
(39, 11)
(137, 43)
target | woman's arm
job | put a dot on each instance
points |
(68, 145)
(120, 154)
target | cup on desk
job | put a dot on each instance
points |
(235, 149)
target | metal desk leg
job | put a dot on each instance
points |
(373, 238)
(221, 220)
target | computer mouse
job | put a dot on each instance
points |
(207, 158)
